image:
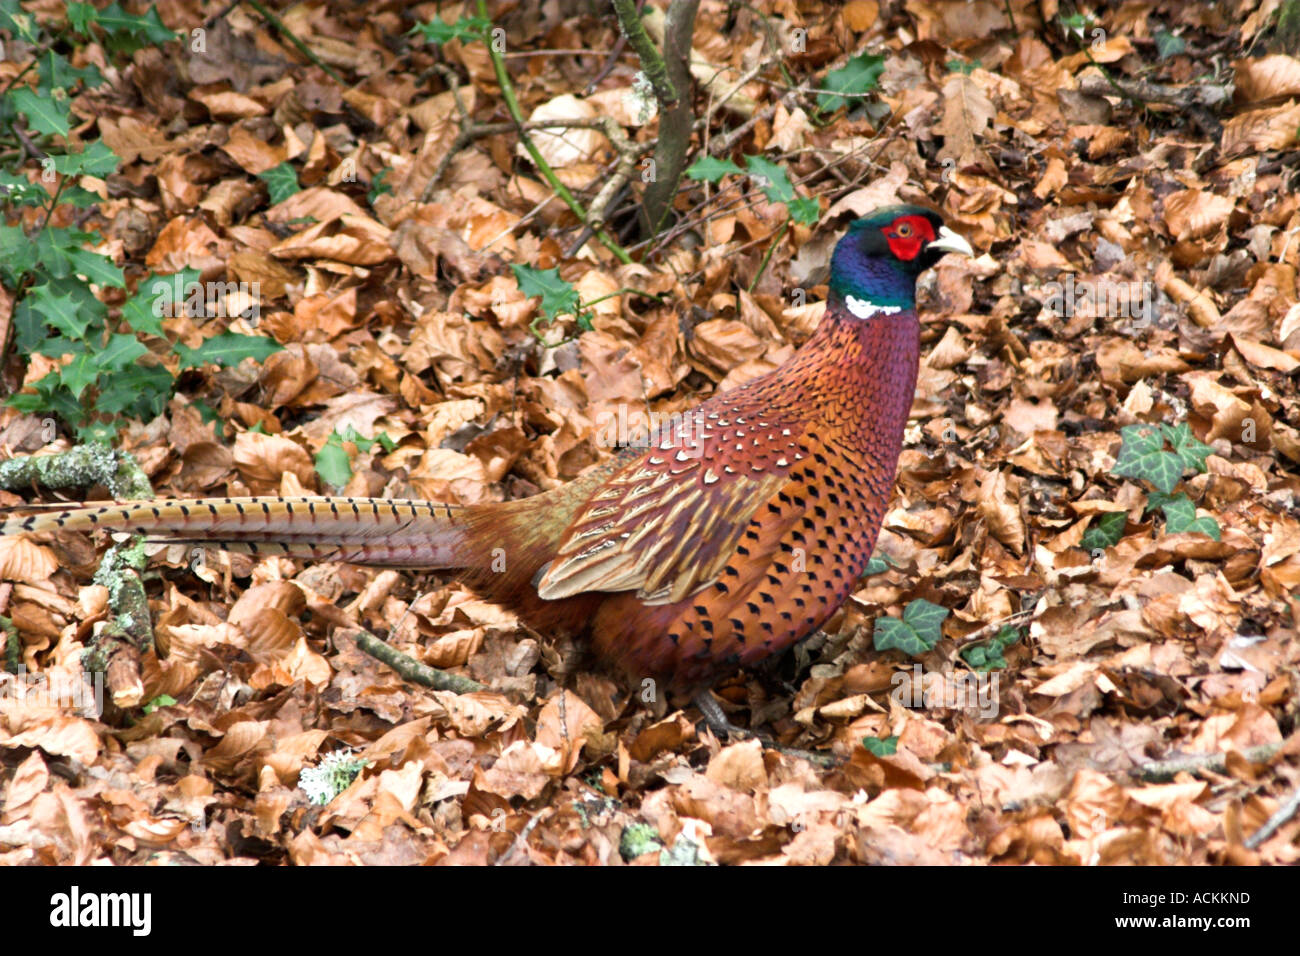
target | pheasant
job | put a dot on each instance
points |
(736, 534)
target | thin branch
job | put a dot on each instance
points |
(1162, 770)
(543, 167)
(676, 121)
(762, 266)
(652, 64)
(409, 668)
(1284, 813)
(82, 467)
(288, 34)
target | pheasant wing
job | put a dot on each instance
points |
(666, 524)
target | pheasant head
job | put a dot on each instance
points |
(874, 267)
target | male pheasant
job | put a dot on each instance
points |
(734, 536)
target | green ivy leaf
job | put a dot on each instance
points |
(876, 566)
(1180, 516)
(712, 169)
(1106, 532)
(228, 348)
(917, 632)
(1142, 455)
(860, 75)
(1167, 44)
(1187, 447)
(1157, 500)
(281, 182)
(987, 655)
(881, 746)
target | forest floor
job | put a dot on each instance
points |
(1098, 487)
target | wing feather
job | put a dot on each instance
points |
(666, 524)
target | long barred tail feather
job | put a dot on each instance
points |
(374, 531)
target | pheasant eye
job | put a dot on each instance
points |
(904, 229)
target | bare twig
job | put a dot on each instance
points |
(1283, 814)
(521, 840)
(723, 144)
(408, 667)
(1161, 770)
(980, 633)
(288, 34)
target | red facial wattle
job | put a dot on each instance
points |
(907, 236)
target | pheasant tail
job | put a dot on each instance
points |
(372, 531)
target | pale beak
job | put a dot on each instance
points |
(950, 241)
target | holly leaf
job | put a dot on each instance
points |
(79, 374)
(61, 312)
(95, 160)
(22, 25)
(46, 114)
(860, 75)
(438, 32)
(558, 296)
(804, 211)
(141, 391)
(81, 16)
(121, 351)
(771, 178)
(96, 268)
(228, 348)
(712, 169)
(56, 72)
